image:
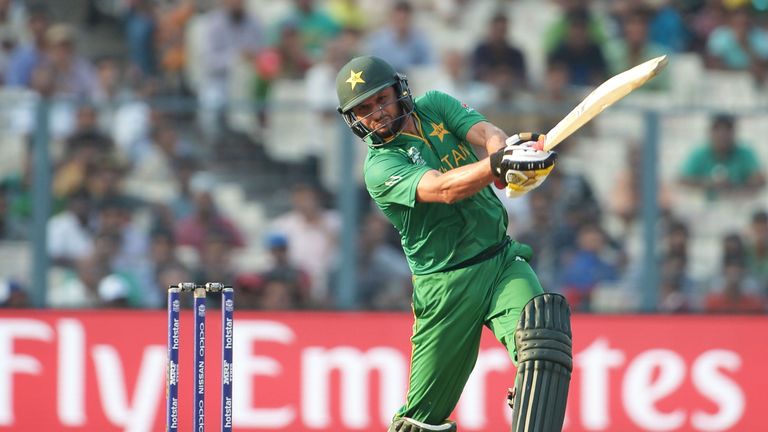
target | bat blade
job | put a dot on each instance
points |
(602, 97)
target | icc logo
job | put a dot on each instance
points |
(415, 156)
(201, 310)
(175, 305)
(228, 305)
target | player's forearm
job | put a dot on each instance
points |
(456, 184)
(486, 135)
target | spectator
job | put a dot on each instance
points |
(27, 56)
(109, 90)
(12, 294)
(277, 295)
(152, 174)
(172, 274)
(78, 287)
(232, 36)
(676, 240)
(757, 248)
(556, 89)
(115, 292)
(313, 26)
(95, 281)
(558, 32)
(73, 74)
(205, 220)
(16, 198)
(12, 19)
(104, 180)
(668, 27)
(732, 294)
(140, 36)
(11, 32)
(546, 238)
(675, 287)
(70, 174)
(739, 45)
(61, 117)
(635, 48)
(283, 285)
(181, 205)
(384, 278)
(87, 131)
(451, 12)
(568, 201)
(705, 18)
(295, 61)
(625, 199)
(320, 79)
(723, 165)
(497, 62)
(312, 234)
(582, 55)
(7, 230)
(69, 236)
(400, 43)
(591, 263)
(457, 81)
(115, 216)
(149, 271)
(215, 258)
(172, 26)
(134, 118)
(572, 203)
(555, 94)
(733, 248)
(518, 211)
(349, 14)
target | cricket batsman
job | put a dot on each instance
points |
(429, 168)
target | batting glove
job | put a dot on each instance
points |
(521, 165)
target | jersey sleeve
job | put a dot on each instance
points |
(458, 117)
(392, 178)
(750, 161)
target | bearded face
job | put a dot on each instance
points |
(381, 113)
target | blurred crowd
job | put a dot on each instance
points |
(134, 177)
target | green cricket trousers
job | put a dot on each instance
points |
(450, 310)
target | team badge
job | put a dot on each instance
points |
(355, 78)
(438, 130)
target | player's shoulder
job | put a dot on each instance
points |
(436, 101)
(433, 97)
(381, 160)
(384, 156)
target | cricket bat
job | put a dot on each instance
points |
(601, 98)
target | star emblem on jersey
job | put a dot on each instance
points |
(438, 130)
(355, 78)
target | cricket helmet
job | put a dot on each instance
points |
(362, 78)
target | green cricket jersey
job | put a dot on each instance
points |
(434, 236)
